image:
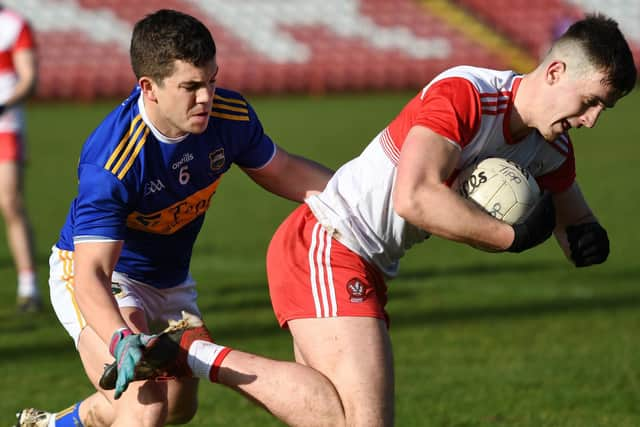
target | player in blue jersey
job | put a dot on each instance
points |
(147, 175)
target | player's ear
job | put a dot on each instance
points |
(554, 71)
(148, 88)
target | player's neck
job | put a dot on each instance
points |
(520, 121)
(159, 122)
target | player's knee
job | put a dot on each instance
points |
(154, 414)
(95, 417)
(362, 414)
(148, 414)
(182, 414)
(377, 410)
(11, 207)
(182, 396)
(142, 406)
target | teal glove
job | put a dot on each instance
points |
(127, 348)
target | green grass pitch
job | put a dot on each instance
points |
(479, 339)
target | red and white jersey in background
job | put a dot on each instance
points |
(15, 34)
(470, 107)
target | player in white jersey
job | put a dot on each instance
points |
(357, 200)
(18, 75)
(328, 261)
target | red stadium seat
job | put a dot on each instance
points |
(379, 46)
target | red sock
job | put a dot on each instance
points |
(213, 373)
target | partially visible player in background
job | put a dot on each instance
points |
(18, 77)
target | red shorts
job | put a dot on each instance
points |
(312, 275)
(10, 147)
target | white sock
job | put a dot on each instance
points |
(27, 286)
(201, 356)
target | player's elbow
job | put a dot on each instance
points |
(412, 207)
(403, 203)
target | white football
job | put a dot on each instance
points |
(501, 187)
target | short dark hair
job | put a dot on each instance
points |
(606, 48)
(161, 38)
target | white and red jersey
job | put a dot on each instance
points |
(15, 34)
(470, 107)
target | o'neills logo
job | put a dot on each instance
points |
(357, 290)
(186, 158)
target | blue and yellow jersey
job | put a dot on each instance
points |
(138, 186)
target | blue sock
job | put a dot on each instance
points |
(69, 417)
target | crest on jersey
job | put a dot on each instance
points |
(357, 290)
(216, 159)
(117, 291)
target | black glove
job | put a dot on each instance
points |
(2, 108)
(589, 244)
(536, 228)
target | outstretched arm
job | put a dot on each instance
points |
(291, 176)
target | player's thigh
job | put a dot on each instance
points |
(94, 352)
(179, 396)
(355, 354)
(94, 355)
(182, 399)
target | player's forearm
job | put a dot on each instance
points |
(292, 177)
(443, 213)
(93, 266)
(97, 305)
(312, 178)
(26, 70)
(21, 92)
(571, 209)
